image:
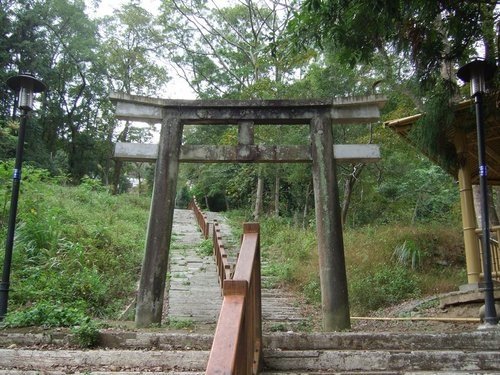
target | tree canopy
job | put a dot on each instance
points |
(249, 49)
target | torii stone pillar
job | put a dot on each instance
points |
(333, 280)
(149, 304)
(318, 114)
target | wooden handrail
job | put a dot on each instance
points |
(237, 345)
(201, 218)
(224, 268)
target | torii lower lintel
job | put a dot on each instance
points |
(318, 114)
(141, 152)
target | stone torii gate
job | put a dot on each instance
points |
(318, 114)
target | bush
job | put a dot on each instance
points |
(86, 333)
(387, 285)
(46, 314)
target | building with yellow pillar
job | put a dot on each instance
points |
(463, 137)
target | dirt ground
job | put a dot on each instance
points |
(440, 313)
(432, 314)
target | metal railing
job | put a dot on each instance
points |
(494, 250)
(237, 345)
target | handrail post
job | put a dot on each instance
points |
(227, 349)
(237, 346)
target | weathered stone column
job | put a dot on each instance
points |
(471, 241)
(334, 296)
(154, 268)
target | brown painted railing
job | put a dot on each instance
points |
(224, 268)
(494, 250)
(237, 345)
(201, 218)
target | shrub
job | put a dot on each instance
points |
(385, 286)
(409, 254)
(86, 333)
(46, 314)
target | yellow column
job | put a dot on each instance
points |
(472, 255)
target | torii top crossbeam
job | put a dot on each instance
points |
(260, 112)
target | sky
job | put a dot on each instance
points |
(106, 7)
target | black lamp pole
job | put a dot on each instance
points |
(478, 72)
(25, 85)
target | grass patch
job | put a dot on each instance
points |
(205, 248)
(386, 264)
(180, 323)
(75, 248)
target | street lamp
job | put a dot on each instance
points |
(25, 86)
(478, 72)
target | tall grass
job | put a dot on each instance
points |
(75, 248)
(377, 275)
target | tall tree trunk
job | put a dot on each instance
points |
(259, 197)
(306, 205)
(109, 156)
(118, 163)
(277, 193)
(349, 187)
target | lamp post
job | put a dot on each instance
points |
(25, 86)
(478, 72)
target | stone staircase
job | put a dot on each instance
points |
(129, 352)
(192, 296)
(384, 353)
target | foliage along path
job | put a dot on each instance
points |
(194, 295)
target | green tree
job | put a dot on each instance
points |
(238, 52)
(428, 33)
(132, 54)
(434, 37)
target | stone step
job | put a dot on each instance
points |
(49, 372)
(110, 338)
(474, 340)
(341, 361)
(292, 362)
(284, 353)
(110, 360)
(281, 341)
(382, 373)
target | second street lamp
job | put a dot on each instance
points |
(478, 72)
(25, 86)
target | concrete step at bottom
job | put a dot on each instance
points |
(384, 373)
(90, 361)
(27, 372)
(341, 361)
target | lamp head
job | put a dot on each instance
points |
(477, 72)
(26, 85)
